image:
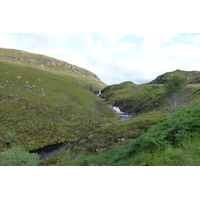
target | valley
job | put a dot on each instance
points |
(68, 116)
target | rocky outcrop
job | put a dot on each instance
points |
(189, 76)
(55, 62)
(159, 80)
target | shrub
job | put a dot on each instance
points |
(17, 156)
(10, 138)
(175, 97)
(182, 126)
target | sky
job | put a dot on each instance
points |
(115, 57)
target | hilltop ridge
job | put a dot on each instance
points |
(189, 76)
(44, 61)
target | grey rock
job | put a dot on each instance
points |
(2, 86)
(82, 141)
(28, 87)
(90, 136)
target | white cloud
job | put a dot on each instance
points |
(115, 36)
(6, 42)
(115, 57)
(182, 51)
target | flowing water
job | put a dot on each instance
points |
(50, 150)
(124, 116)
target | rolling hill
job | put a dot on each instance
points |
(46, 101)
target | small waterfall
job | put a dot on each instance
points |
(99, 93)
(124, 116)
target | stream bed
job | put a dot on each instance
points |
(50, 150)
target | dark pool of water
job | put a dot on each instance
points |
(50, 150)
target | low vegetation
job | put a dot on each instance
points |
(121, 137)
(46, 101)
(173, 142)
(44, 107)
(17, 156)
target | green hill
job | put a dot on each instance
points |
(138, 99)
(174, 142)
(148, 104)
(191, 77)
(45, 101)
(75, 74)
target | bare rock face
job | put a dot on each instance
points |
(159, 80)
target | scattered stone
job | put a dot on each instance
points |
(34, 86)
(27, 81)
(43, 95)
(82, 141)
(90, 136)
(28, 87)
(19, 77)
(2, 86)
(98, 149)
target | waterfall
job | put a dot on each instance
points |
(99, 93)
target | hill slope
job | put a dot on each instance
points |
(137, 99)
(46, 104)
(147, 102)
(71, 72)
(191, 77)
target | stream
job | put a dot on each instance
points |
(50, 150)
(123, 116)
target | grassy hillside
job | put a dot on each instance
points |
(72, 73)
(41, 105)
(190, 77)
(47, 101)
(114, 140)
(137, 99)
(174, 142)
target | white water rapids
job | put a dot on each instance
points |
(124, 116)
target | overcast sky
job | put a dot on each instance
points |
(115, 57)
